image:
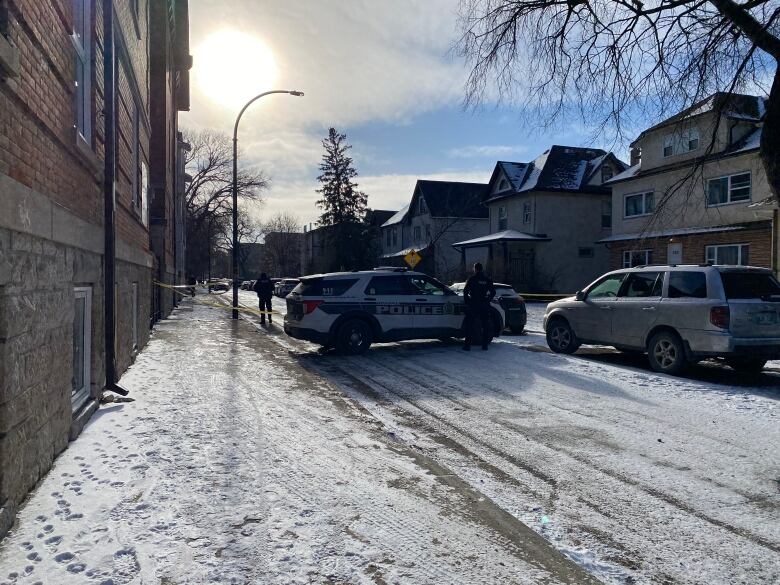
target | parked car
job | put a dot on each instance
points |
(676, 314)
(219, 284)
(283, 287)
(351, 310)
(512, 303)
(247, 285)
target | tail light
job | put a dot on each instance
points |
(719, 316)
(309, 306)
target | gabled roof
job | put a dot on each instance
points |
(562, 168)
(398, 217)
(377, 217)
(733, 105)
(452, 199)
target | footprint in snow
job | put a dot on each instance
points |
(63, 557)
(26, 545)
(76, 567)
(35, 557)
(53, 540)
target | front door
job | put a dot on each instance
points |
(674, 253)
(82, 346)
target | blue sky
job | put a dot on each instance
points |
(381, 72)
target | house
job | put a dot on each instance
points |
(545, 218)
(84, 117)
(697, 191)
(438, 214)
(319, 254)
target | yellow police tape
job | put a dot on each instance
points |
(241, 308)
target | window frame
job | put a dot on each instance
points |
(422, 207)
(729, 188)
(677, 139)
(82, 43)
(80, 396)
(644, 195)
(609, 171)
(648, 252)
(503, 218)
(527, 212)
(606, 214)
(740, 253)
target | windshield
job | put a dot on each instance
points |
(749, 285)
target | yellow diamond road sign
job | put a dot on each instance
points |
(413, 258)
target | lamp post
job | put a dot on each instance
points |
(235, 190)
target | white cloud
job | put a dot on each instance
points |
(488, 151)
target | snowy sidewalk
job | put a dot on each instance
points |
(237, 465)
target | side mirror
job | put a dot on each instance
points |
(580, 296)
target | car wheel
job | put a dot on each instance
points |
(516, 330)
(354, 337)
(561, 337)
(746, 365)
(666, 353)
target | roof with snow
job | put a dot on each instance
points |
(733, 105)
(378, 217)
(561, 168)
(504, 236)
(398, 217)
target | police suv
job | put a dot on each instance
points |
(351, 310)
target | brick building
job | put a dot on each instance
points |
(697, 191)
(88, 172)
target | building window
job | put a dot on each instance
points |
(395, 237)
(417, 233)
(527, 212)
(137, 195)
(633, 258)
(423, 207)
(730, 189)
(428, 232)
(639, 204)
(585, 253)
(606, 214)
(606, 173)
(82, 41)
(82, 346)
(388, 237)
(503, 185)
(685, 141)
(735, 254)
(502, 218)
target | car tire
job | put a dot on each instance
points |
(516, 330)
(746, 365)
(666, 353)
(561, 337)
(354, 337)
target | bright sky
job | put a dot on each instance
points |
(381, 72)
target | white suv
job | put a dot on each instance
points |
(351, 310)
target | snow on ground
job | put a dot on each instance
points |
(639, 477)
(238, 464)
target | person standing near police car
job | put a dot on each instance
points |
(264, 288)
(477, 294)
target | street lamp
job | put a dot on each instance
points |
(235, 190)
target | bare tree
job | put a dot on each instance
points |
(282, 234)
(208, 196)
(249, 232)
(611, 61)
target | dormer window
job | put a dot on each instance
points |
(423, 207)
(682, 142)
(606, 173)
(503, 185)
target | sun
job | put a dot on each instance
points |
(231, 67)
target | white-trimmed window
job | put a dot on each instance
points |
(502, 218)
(82, 347)
(527, 212)
(682, 142)
(633, 258)
(728, 189)
(82, 41)
(137, 195)
(639, 204)
(736, 254)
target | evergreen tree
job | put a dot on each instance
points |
(343, 205)
(341, 201)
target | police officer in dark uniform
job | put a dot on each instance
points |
(478, 293)
(265, 293)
